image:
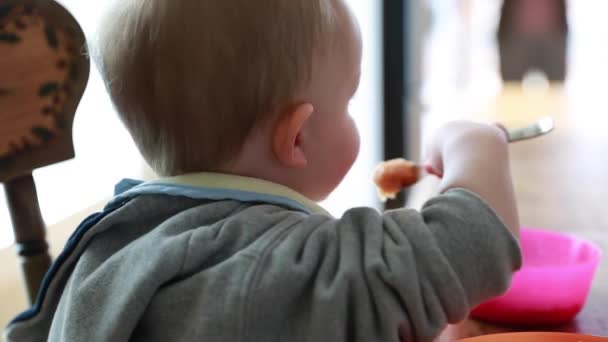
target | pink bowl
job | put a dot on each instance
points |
(552, 285)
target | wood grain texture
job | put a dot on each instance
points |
(44, 68)
(30, 235)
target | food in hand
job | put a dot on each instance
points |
(393, 175)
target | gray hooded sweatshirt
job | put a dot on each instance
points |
(220, 258)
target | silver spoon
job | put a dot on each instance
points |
(537, 129)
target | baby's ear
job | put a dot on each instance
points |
(286, 142)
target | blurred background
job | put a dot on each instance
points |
(424, 62)
(473, 47)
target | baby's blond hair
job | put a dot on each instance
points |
(191, 79)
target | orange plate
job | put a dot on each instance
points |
(536, 337)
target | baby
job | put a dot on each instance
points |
(243, 107)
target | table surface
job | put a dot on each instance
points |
(561, 184)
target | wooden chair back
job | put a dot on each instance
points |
(44, 69)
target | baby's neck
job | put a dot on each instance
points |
(257, 161)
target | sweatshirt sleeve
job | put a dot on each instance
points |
(401, 275)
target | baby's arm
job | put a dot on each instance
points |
(476, 157)
(371, 276)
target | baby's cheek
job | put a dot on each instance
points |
(355, 141)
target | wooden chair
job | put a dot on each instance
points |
(44, 69)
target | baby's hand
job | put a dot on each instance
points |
(450, 137)
(475, 157)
